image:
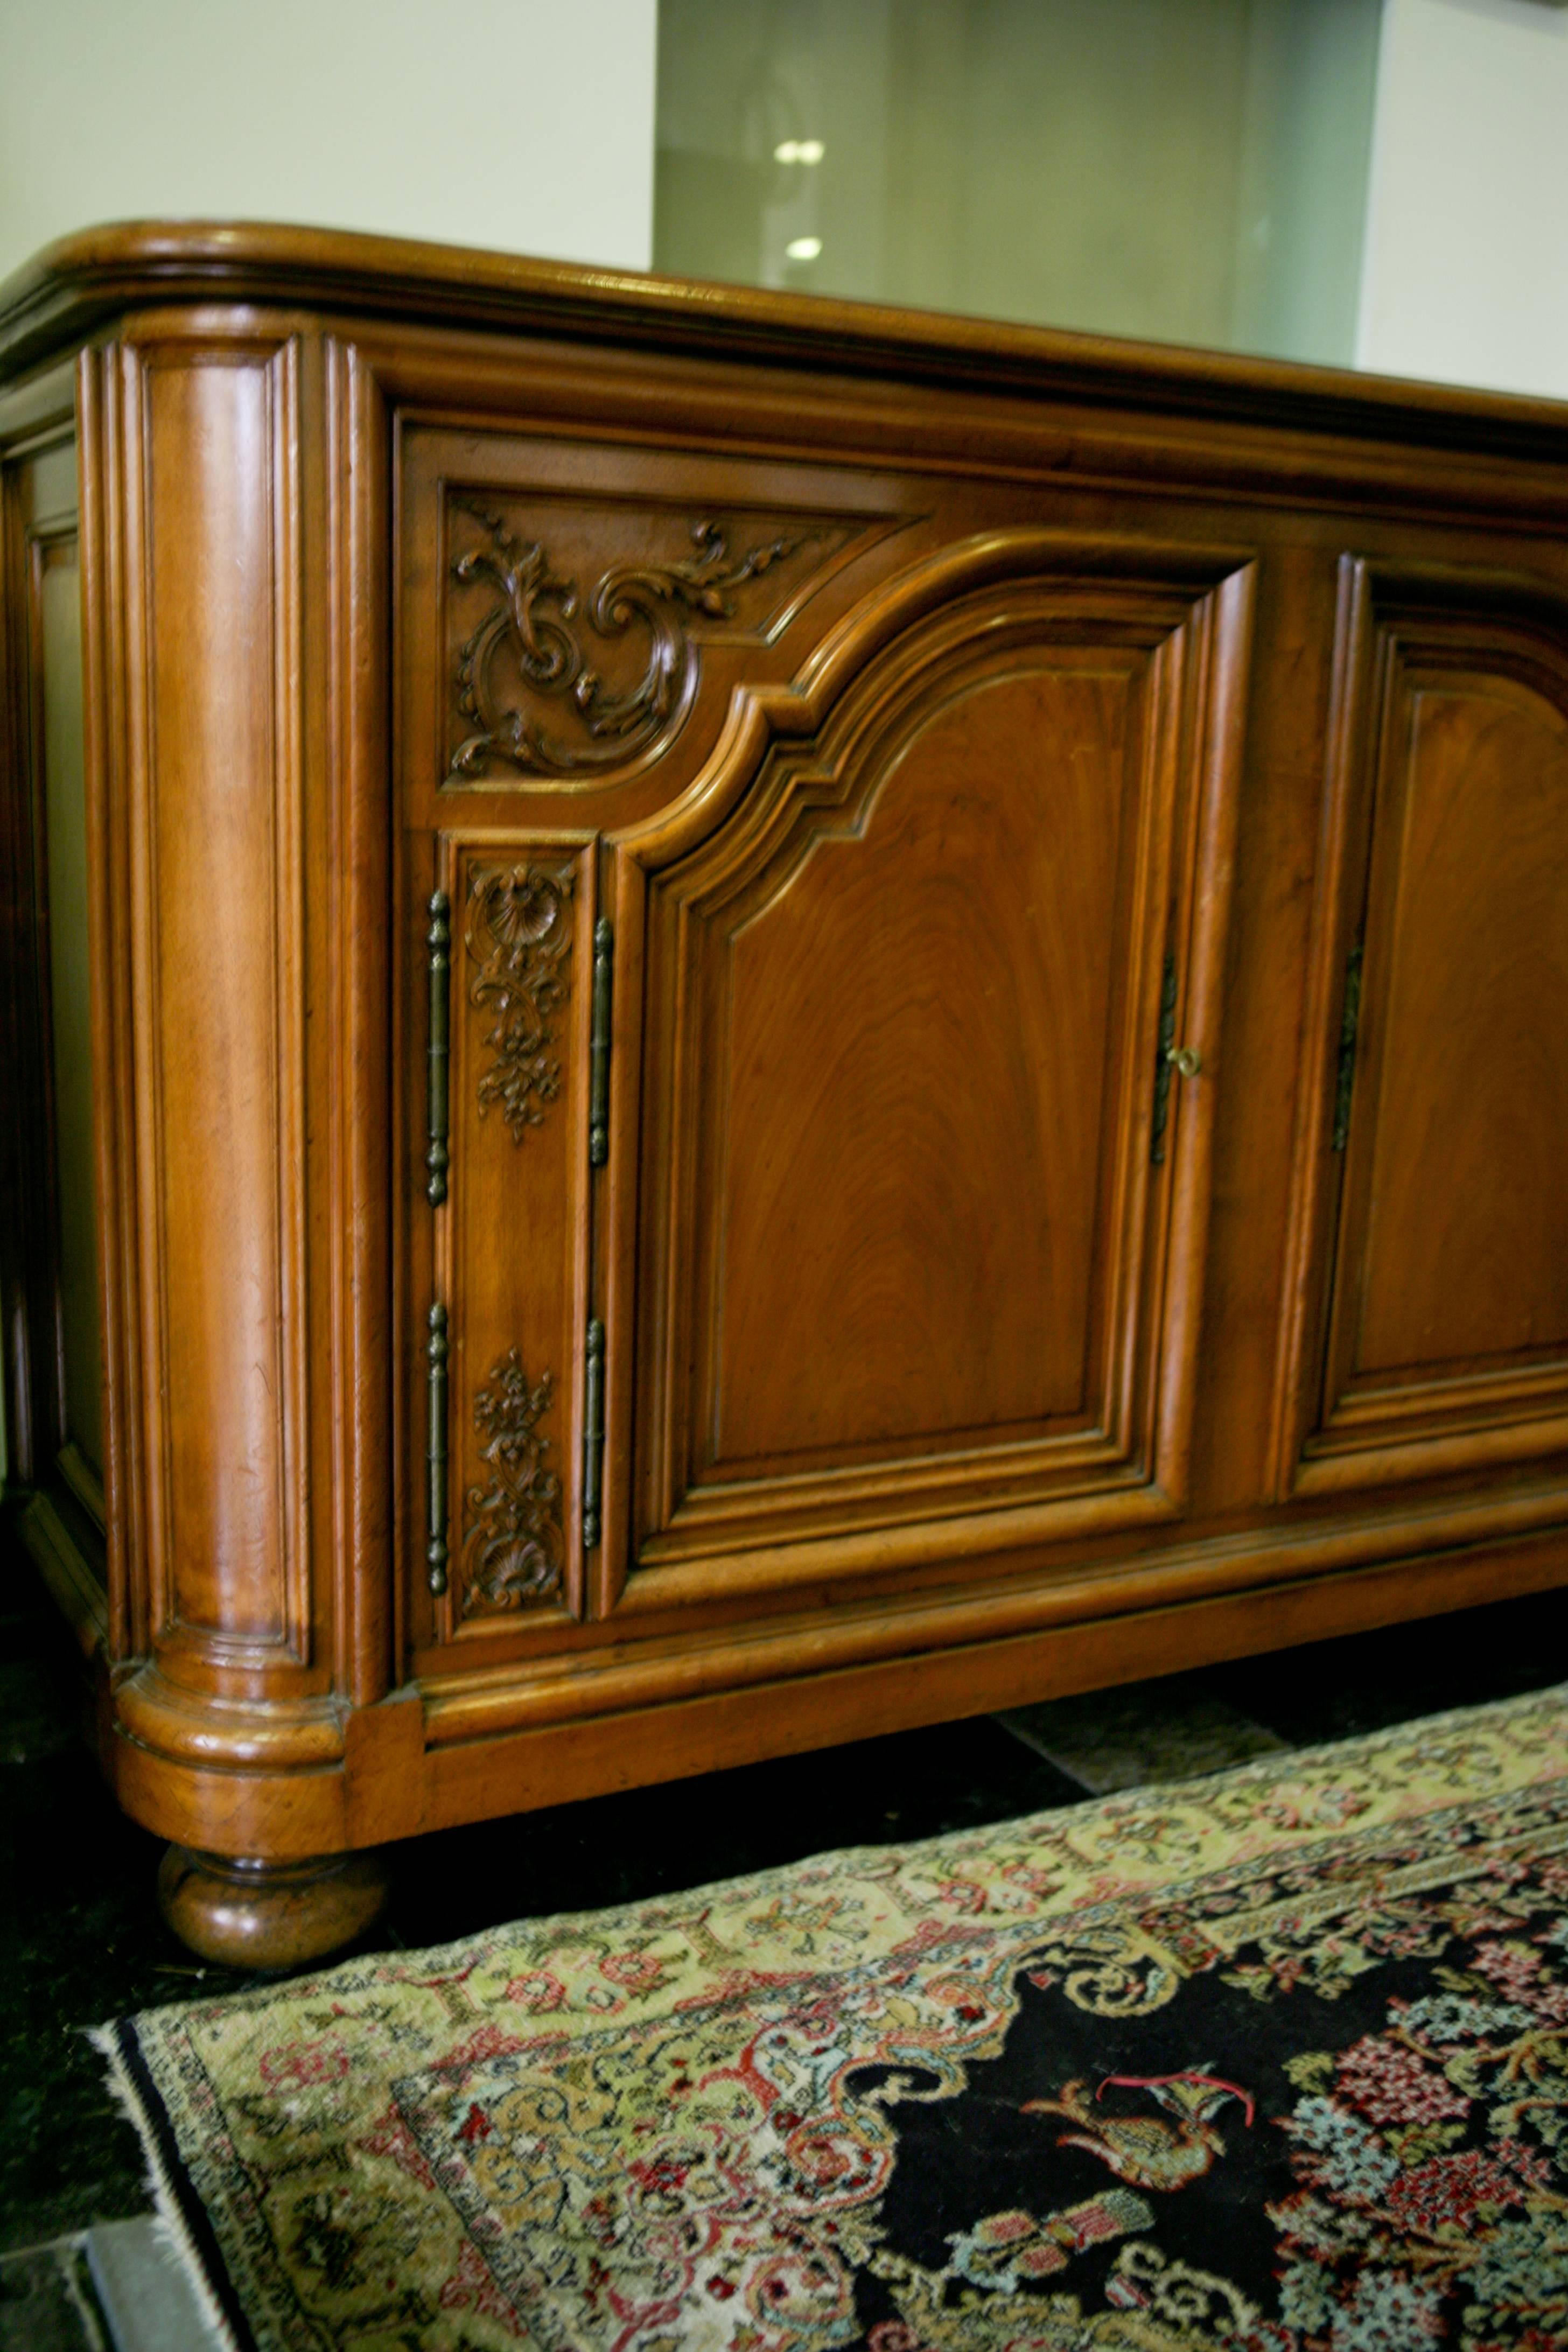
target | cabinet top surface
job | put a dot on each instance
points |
(79, 287)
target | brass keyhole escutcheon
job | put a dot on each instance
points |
(1185, 1059)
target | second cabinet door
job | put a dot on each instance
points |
(1428, 1331)
(924, 1189)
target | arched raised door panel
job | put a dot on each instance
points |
(923, 1198)
(1427, 1323)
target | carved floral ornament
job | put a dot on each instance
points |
(519, 932)
(573, 720)
(513, 1546)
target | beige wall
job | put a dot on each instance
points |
(1465, 274)
(526, 124)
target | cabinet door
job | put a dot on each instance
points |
(1428, 1323)
(923, 1204)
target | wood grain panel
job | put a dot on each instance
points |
(1429, 1330)
(1464, 1246)
(924, 1004)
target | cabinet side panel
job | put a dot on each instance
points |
(222, 935)
(58, 613)
(28, 1296)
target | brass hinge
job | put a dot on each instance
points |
(435, 1453)
(1350, 1021)
(438, 942)
(599, 1045)
(592, 1433)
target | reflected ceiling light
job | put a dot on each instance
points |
(799, 151)
(804, 249)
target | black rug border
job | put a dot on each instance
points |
(173, 2176)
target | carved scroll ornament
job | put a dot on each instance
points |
(535, 619)
(519, 932)
(512, 1547)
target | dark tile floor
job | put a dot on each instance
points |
(80, 1939)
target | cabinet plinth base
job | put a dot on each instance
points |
(270, 1915)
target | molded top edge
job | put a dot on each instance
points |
(78, 285)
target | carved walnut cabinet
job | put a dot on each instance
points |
(739, 1021)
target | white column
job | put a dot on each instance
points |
(1465, 276)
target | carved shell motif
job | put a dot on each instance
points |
(535, 621)
(513, 1546)
(519, 934)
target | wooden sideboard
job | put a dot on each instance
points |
(801, 1018)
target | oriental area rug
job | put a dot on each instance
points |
(1274, 2062)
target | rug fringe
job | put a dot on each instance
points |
(168, 2220)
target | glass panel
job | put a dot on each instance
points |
(1193, 171)
(59, 609)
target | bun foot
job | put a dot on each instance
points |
(270, 1915)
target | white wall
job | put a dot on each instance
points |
(1465, 269)
(524, 125)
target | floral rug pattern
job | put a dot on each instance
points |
(1273, 2061)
